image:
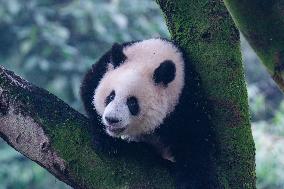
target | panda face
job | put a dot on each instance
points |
(134, 97)
(118, 112)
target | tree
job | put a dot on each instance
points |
(261, 22)
(48, 131)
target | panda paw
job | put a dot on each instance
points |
(106, 145)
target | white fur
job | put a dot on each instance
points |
(135, 78)
(119, 110)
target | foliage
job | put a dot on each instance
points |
(269, 160)
(267, 110)
(17, 172)
(264, 95)
(52, 43)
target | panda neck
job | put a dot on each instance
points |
(157, 143)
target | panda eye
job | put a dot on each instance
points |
(110, 97)
(133, 105)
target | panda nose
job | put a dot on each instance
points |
(112, 120)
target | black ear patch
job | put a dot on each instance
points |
(117, 56)
(165, 73)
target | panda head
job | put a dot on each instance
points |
(141, 87)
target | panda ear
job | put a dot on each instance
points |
(165, 73)
(117, 56)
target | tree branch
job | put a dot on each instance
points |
(262, 23)
(49, 132)
(206, 32)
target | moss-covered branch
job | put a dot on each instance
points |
(206, 32)
(262, 23)
(49, 132)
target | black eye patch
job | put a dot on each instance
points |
(165, 73)
(133, 105)
(110, 97)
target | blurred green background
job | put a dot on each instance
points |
(52, 43)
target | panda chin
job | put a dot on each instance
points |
(115, 131)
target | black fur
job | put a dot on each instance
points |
(110, 97)
(133, 105)
(117, 56)
(186, 130)
(165, 73)
(102, 141)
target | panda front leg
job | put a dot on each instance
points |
(163, 150)
(104, 143)
(193, 171)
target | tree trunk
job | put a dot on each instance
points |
(262, 24)
(208, 35)
(49, 132)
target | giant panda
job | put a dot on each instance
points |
(147, 92)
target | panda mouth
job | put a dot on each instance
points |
(116, 130)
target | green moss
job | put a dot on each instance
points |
(70, 136)
(208, 35)
(71, 139)
(100, 171)
(262, 23)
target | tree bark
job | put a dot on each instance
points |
(262, 24)
(48, 131)
(208, 35)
